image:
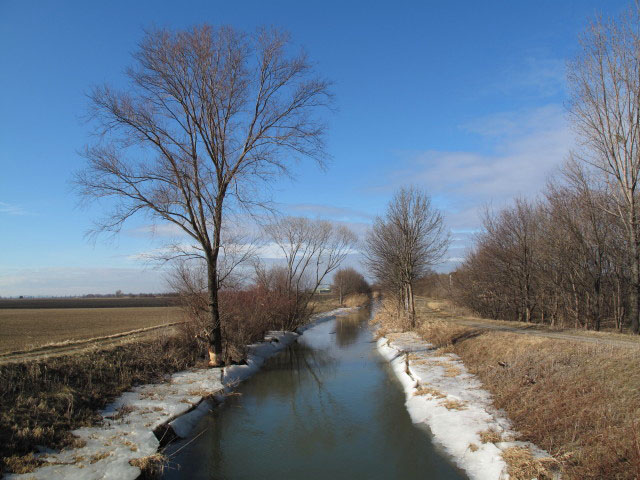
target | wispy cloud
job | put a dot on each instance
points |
(527, 147)
(327, 211)
(11, 209)
(534, 75)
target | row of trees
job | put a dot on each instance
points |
(560, 261)
(574, 257)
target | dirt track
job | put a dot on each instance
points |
(81, 346)
(619, 340)
(488, 325)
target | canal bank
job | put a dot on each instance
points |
(142, 420)
(329, 406)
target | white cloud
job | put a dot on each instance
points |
(528, 148)
(63, 281)
(11, 209)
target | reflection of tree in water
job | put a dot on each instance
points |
(290, 370)
(349, 328)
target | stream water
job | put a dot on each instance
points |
(327, 408)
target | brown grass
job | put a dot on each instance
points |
(434, 392)
(454, 405)
(522, 465)
(490, 436)
(151, 466)
(43, 401)
(356, 300)
(324, 302)
(577, 401)
(29, 328)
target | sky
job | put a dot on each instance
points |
(465, 99)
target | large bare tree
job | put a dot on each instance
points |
(604, 82)
(208, 114)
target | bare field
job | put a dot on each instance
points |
(110, 302)
(27, 328)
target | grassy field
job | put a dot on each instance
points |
(27, 328)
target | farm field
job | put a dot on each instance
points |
(111, 302)
(28, 328)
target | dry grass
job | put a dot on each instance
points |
(324, 302)
(434, 392)
(29, 328)
(454, 405)
(42, 401)
(522, 465)
(151, 466)
(577, 401)
(490, 436)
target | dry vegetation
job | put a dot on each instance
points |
(579, 401)
(29, 328)
(42, 401)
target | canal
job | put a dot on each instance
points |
(328, 407)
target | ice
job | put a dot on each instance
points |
(457, 428)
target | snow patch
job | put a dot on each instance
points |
(442, 394)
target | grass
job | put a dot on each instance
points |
(579, 401)
(22, 329)
(42, 401)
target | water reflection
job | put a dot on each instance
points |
(326, 408)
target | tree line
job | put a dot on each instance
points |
(573, 257)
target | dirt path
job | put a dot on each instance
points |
(82, 346)
(537, 331)
(438, 310)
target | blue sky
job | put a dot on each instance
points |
(462, 98)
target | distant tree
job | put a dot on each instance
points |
(403, 245)
(347, 281)
(208, 114)
(312, 249)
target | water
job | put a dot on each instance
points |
(327, 408)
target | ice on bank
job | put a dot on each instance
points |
(442, 394)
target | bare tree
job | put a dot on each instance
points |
(604, 81)
(209, 114)
(402, 246)
(311, 249)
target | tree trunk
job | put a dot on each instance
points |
(412, 305)
(634, 288)
(215, 336)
